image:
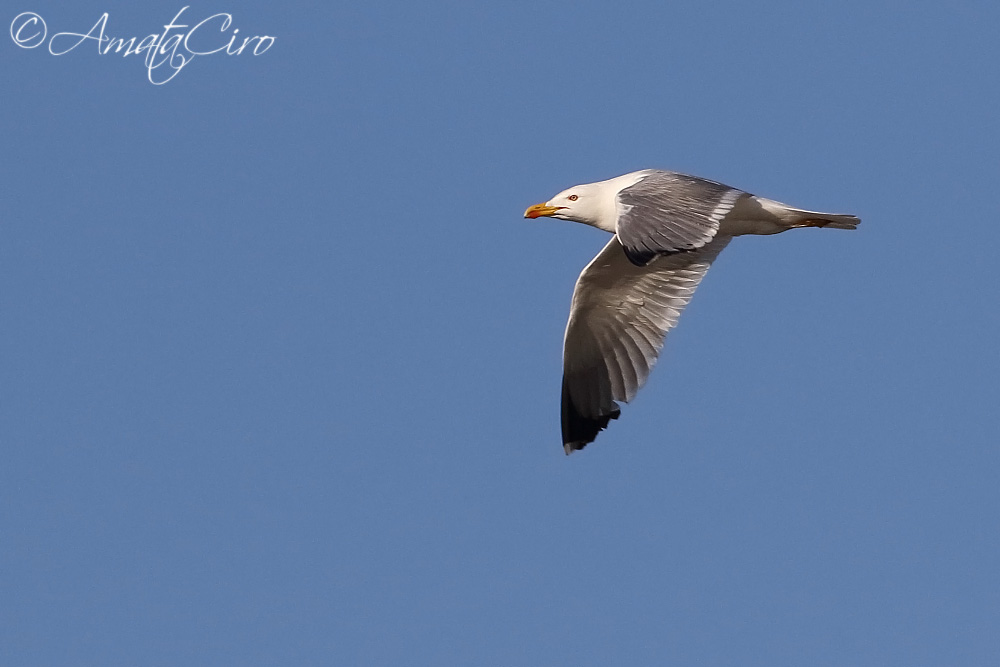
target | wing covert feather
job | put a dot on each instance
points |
(668, 212)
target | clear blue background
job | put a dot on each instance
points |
(281, 359)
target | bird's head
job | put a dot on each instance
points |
(581, 203)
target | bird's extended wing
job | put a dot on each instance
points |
(620, 316)
(668, 212)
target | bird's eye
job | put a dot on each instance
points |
(572, 197)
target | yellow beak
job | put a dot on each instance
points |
(539, 210)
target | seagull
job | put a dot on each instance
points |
(668, 229)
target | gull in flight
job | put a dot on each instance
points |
(668, 228)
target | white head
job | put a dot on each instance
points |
(592, 204)
(580, 203)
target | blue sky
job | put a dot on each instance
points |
(281, 358)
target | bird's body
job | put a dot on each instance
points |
(668, 228)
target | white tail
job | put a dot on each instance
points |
(797, 217)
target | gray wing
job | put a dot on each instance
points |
(620, 316)
(668, 212)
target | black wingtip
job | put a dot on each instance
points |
(577, 430)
